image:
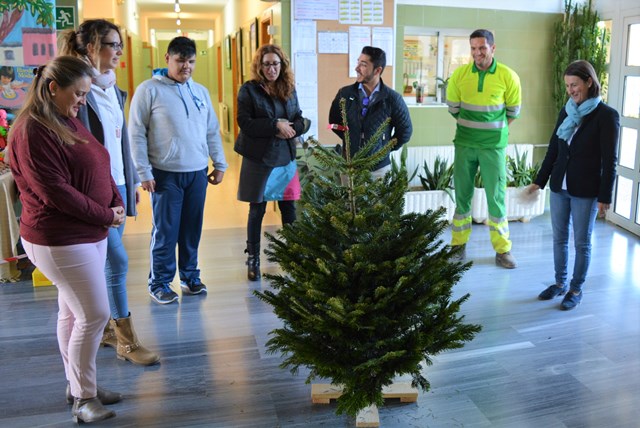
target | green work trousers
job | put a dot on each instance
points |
(492, 163)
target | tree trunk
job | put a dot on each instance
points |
(9, 20)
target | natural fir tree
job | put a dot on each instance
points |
(366, 291)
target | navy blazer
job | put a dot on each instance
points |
(388, 104)
(589, 162)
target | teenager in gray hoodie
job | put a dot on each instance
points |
(174, 131)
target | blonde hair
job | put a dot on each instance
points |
(284, 85)
(92, 31)
(39, 106)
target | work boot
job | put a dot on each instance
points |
(506, 260)
(253, 261)
(462, 255)
(129, 348)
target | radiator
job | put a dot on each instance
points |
(419, 154)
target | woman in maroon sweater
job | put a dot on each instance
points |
(69, 201)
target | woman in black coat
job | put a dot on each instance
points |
(269, 119)
(580, 165)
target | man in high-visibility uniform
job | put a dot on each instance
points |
(485, 98)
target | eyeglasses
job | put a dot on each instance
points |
(268, 65)
(114, 45)
(365, 104)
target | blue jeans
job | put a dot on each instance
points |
(178, 213)
(567, 209)
(116, 267)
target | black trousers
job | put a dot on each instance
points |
(256, 214)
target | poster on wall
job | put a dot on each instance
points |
(350, 12)
(27, 40)
(359, 37)
(316, 9)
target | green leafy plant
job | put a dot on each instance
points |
(519, 172)
(400, 168)
(477, 180)
(443, 82)
(578, 36)
(366, 291)
(441, 178)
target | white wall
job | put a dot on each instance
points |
(547, 6)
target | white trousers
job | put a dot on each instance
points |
(83, 306)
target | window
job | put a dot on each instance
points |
(34, 49)
(430, 56)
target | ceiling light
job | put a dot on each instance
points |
(178, 21)
(176, 7)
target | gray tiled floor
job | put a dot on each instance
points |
(531, 366)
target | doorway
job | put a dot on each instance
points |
(626, 197)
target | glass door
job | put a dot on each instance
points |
(626, 198)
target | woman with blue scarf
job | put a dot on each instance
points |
(580, 165)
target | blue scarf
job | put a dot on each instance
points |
(575, 113)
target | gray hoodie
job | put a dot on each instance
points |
(173, 127)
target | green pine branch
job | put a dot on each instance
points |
(365, 293)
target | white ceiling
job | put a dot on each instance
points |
(190, 9)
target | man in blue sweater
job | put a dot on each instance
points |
(173, 131)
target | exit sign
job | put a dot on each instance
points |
(65, 17)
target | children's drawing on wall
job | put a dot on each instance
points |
(14, 82)
(27, 39)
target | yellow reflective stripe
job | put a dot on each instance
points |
(461, 227)
(499, 229)
(482, 125)
(459, 217)
(497, 220)
(482, 108)
(498, 225)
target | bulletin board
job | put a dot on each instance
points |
(333, 69)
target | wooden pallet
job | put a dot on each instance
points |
(323, 393)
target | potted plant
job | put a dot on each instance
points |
(420, 90)
(520, 174)
(479, 207)
(436, 190)
(442, 86)
(578, 36)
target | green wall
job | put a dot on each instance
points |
(523, 42)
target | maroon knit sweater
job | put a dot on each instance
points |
(66, 190)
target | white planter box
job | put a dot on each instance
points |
(515, 209)
(421, 201)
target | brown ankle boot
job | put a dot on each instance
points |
(109, 337)
(129, 348)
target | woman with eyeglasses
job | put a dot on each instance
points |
(269, 119)
(99, 43)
